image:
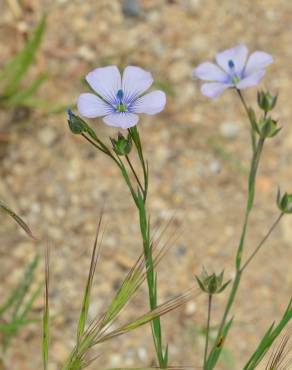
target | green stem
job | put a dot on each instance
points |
(257, 150)
(134, 173)
(127, 180)
(250, 258)
(136, 138)
(147, 248)
(139, 198)
(252, 133)
(250, 198)
(152, 284)
(100, 147)
(207, 329)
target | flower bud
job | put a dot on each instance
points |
(266, 101)
(123, 145)
(211, 283)
(284, 202)
(76, 124)
(267, 127)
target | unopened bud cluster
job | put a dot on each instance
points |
(76, 124)
(211, 283)
(284, 202)
(266, 126)
(122, 145)
(266, 101)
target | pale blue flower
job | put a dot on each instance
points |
(234, 69)
(119, 99)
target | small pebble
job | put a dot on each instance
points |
(131, 8)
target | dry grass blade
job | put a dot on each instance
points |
(279, 358)
(18, 219)
(161, 310)
(15, 8)
(135, 278)
(156, 367)
(86, 298)
(99, 329)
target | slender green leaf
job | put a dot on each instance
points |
(15, 70)
(17, 295)
(214, 355)
(272, 333)
(25, 96)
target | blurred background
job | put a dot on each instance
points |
(198, 151)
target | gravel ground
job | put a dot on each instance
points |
(198, 152)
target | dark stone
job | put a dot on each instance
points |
(131, 8)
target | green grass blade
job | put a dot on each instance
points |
(18, 302)
(214, 355)
(28, 305)
(13, 327)
(17, 218)
(24, 286)
(15, 70)
(272, 333)
(25, 96)
(17, 295)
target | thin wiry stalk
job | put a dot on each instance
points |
(208, 328)
(134, 173)
(252, 135)
(250, 258)
(46, 310)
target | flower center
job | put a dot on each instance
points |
(121, 107)
(234, 77)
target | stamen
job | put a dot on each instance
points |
(120, 95)
(231, 64)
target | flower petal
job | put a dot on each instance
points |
(123, 120)
(251, 80)
(106, 81)
(237, 55)
(91, 106)
(214, 89)
(151, 103)
(135, 82)
(210, 72)
(257, 61)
